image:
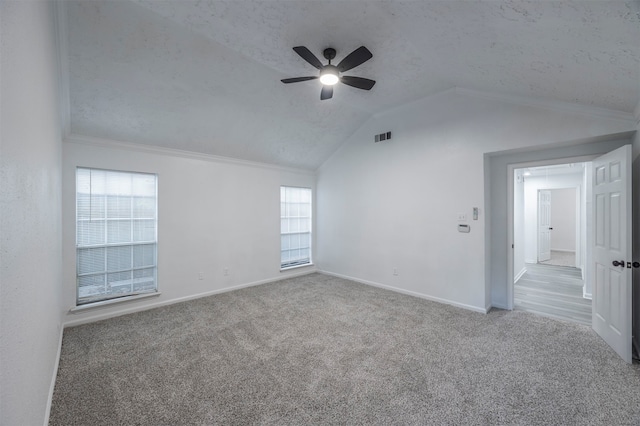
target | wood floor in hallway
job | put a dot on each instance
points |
(553, 291)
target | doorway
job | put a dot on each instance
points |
(550, 227)
(609, 248)
(559, 227)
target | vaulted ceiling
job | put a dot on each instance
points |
(204, 76)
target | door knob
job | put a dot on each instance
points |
(550, 229)
(636, 264)
(616, 263)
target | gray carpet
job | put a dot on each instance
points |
(322, 350)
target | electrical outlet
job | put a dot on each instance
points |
(462, 216)
(201, 275)
(225, 271)
(395, 271)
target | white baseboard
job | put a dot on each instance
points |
(47, 412)
(563, 250)
(519, 275)
(531, 261)
(587, 295)
(409, 293)
(499, 306)
(159, 304)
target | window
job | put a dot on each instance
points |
(295, 226)
(116, 234)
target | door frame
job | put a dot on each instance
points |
(510, 211)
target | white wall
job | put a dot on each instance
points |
(519, 267)
(394, 204)
(212, 214)
(554, 182)
(587, 231)
(30, 232)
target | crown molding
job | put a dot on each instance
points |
(172, 152)
(62, 46)
(552, 105)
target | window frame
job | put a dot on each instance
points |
(82, 302)
(309, 260)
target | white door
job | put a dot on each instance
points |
(612, 249)
(544, 225)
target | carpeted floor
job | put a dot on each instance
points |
(322, 350)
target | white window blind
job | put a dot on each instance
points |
(295, 226)
(116, 234)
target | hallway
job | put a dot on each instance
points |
(553, 291)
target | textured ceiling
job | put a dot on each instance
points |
(204, 76)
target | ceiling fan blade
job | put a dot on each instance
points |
(327, 93)
(297, 79)
(308, 56)
(358, 82)
(355, 58)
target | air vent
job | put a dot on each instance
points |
(383, 137)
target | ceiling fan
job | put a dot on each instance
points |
(330, 74)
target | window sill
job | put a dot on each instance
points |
(288, 268)
(104, 303)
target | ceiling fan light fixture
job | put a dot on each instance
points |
(329, 75)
